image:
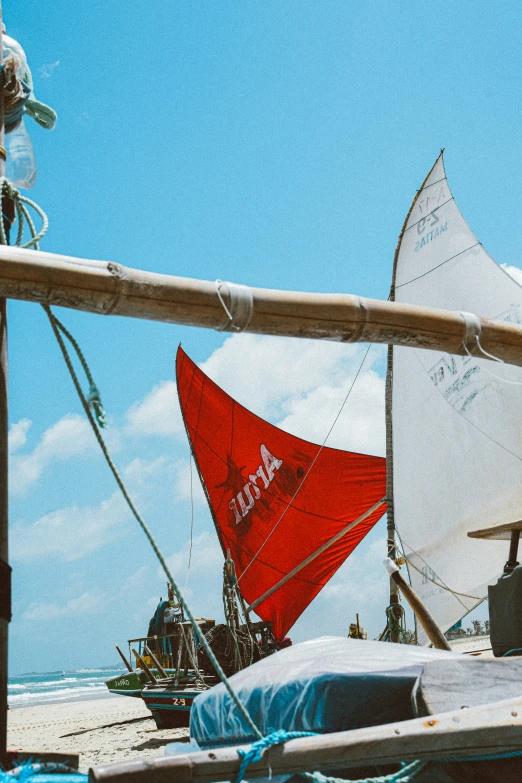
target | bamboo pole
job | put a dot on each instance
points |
(124, 659)
(111, 289)
(5, 569)
(489, 729)
(315, 554)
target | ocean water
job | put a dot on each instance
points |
(27, 690)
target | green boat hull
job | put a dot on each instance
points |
(131, 683)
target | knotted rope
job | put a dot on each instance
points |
(257, 748)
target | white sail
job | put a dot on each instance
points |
(457, 434)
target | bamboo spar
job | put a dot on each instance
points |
(111, 289)
(315, 554)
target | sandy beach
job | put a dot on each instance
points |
(112, 729)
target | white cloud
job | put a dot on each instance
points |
(90, 602)
(298, 384)
(158, 413)
(143, 474)
(301, 385)
(48, 69)
(69, 533)
(18, 435)
(69, 437)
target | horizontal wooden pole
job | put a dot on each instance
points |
(108, 288)
(476, 732)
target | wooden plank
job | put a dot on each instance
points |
(498, 532)
(460, 683)
(109, 288)
(480, 731)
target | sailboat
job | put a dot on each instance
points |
(288, 513)
(454, 442)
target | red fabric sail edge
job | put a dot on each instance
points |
(250, 471)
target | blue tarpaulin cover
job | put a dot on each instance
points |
(324, 685)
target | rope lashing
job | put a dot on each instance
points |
(404, 775)
(24, 217)
(239, 308)
(256, 750)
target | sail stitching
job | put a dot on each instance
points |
(434, 210)
(312, 464)
(401, 285)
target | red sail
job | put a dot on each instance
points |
(267, 510)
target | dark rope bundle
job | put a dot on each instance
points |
(225, 648)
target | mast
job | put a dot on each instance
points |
(390, 508)
(5, 569)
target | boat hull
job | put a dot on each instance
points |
(132, 683)
(170, 705)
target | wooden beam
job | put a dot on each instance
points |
(111, 289)
(476, 732)
(5, 569)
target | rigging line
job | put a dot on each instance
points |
(312, 463)
(495, 359)
(430, 213)
(425, 187)
(439, 265)
(191, 518)
(145, 528)
(471, 423)
(438, 584)
(443, 584)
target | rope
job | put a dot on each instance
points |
(256, 749)
(146, 530)
(493, 358)
(443, 587)
(93, 398)
(394, 625)
(289, 504)
(8, 191)
(191, 520)
(404, 775)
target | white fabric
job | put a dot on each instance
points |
(457, 435)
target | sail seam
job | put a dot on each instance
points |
(425, 187)
(433, 210)
(401, 285)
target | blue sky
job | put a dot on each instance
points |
(276, 144)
